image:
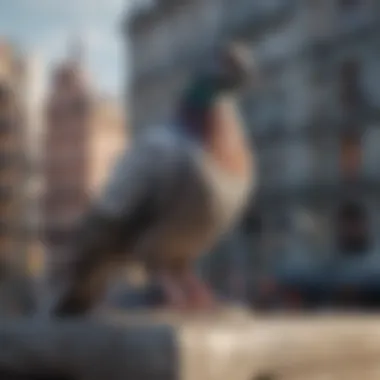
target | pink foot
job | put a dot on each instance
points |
(173, 293)
(198, 294)
(186, 293)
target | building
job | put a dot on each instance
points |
(13, 177)
(68, 115)
(314, 117)
(315, 124)
(33, 103)
(12, 121)
(83, 133)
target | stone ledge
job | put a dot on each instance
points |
(224, 346)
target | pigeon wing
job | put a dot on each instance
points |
(131, 202)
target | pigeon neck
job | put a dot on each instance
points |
(197, 101)
(226, 142)
(192, 124)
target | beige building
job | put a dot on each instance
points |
(12, 146)
(83, 133)
(14, 201)
(108, 136)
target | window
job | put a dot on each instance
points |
(351, 156)
(349, 84)
(5, 94)
(371, 152)
(352, 228)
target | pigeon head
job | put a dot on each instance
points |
(229, 73)
(236, 66)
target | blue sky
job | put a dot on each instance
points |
(47, 26)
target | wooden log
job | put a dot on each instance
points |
(222, 346)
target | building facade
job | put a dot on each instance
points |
(12, 177)
(15, 294)
(108, 136)
(314, 122)
(68, 113)
(313, 118)
(83, 134)
(33, 103)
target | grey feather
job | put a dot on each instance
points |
(147, 187)
(160, 204)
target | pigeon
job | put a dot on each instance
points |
(171, 196)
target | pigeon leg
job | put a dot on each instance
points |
(173, 293)
(185, 292)
(198, 294)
